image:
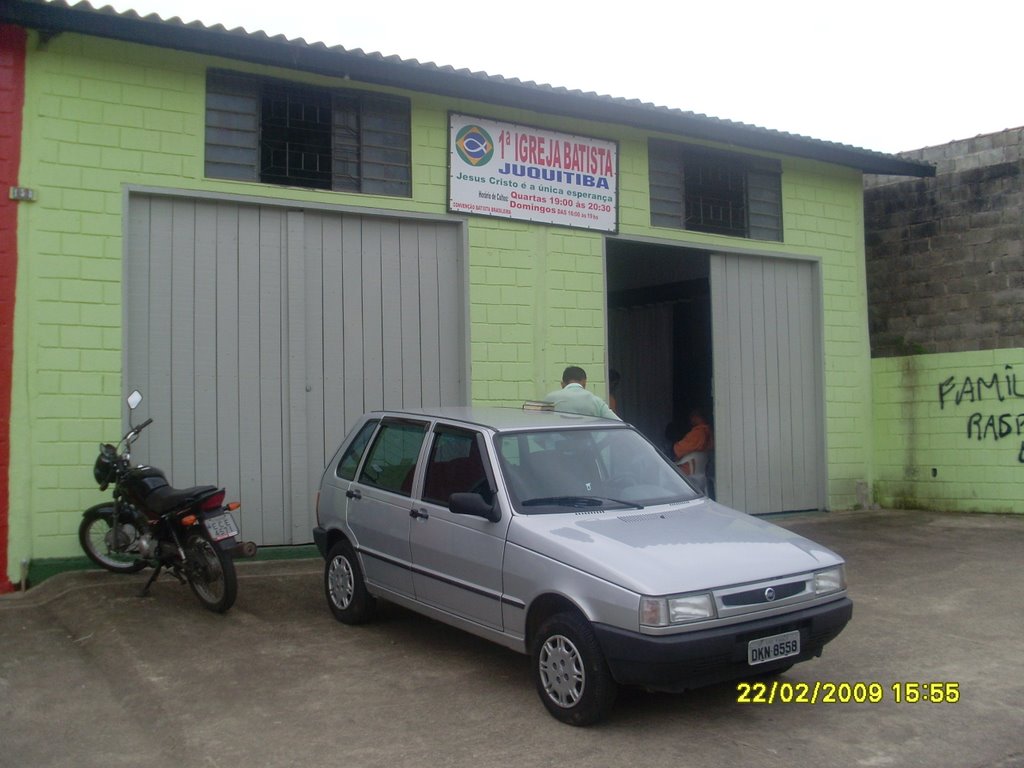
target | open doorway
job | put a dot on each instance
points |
(683, 320)
(659, 335)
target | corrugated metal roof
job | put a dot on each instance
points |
(356, 64)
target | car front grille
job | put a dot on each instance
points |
(760, 595)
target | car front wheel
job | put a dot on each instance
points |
(571, 674)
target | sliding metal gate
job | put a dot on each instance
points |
(258, 334)
(768, 383)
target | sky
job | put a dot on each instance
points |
(889, 75)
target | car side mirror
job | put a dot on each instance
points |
(475, 505)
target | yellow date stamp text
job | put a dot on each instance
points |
(784, 692)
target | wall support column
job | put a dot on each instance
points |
(12, 100)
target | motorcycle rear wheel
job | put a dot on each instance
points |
(211, 574)
(105, 546)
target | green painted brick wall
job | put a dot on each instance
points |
(100, 115)
(949, 431)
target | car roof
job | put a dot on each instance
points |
(501, 419)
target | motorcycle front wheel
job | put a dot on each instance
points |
(211, 574)
(106, 545)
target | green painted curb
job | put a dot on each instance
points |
(40, 570)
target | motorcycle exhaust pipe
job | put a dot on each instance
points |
(244, 549)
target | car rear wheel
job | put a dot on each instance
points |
(344, 586)
(572, 677)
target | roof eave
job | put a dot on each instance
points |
(445, 81)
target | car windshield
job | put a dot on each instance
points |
(551, 471)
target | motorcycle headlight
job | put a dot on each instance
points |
(682, 609)
(104, 469)
(830, 580)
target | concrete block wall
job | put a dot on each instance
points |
(823, 218)
(945, 260)
(949, 431)
(945, 256)
(536, 305)
(88, 131)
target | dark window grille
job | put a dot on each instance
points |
(715, 192)
(346, 144)
(715, 199)
(295, 133)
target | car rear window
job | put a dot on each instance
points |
(350, 459)
(391, 462)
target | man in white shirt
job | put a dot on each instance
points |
(573, 397)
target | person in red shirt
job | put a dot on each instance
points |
(699, 438)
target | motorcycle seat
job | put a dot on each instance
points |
(168, 499)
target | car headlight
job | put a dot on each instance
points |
(667, 611)
(830, 580)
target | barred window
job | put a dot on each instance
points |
(295, 128)
(278, 132)
(716, 192)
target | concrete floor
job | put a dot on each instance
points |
(93, 675)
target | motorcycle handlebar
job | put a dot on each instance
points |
(134, 432)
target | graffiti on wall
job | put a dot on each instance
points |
(989, 400)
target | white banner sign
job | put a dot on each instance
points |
(517, 172)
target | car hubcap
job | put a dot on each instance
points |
(342, 582)
(561, 671)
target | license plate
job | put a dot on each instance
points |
(775, 647)
(221, 526)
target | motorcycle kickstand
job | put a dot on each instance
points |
(174, 572)
(156, 572)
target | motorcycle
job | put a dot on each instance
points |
(189, 532)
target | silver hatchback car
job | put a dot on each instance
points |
(574, 540)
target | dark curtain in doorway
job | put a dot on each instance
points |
(640, 344)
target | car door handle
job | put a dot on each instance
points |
(419, 513)
(353, 494)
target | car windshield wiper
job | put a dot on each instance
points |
(585, 502)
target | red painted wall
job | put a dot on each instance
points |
(12, 100)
